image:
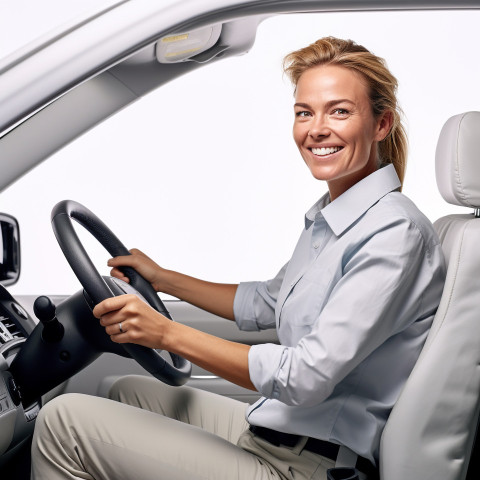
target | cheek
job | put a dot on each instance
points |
(298, 134)
(362, 140)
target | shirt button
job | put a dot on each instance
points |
(315, 246)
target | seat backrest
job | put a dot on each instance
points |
(432, 428)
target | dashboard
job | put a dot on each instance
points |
(16, 420)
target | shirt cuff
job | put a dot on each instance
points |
(243, 306)
(264, 362)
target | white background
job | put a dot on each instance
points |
(203, 174)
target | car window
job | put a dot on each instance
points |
(24, 21)
(203, 174)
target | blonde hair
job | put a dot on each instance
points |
(381, 83)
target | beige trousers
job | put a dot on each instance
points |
(153, 431)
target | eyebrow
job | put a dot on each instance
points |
(329, 104)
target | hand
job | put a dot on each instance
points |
(143, 325)
(143, 264)
(140, 323)
(216, 298)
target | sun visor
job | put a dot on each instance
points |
(182, 46)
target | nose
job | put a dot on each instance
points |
(319, 128)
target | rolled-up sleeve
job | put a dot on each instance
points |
(391, 281)
(254, 303)
(244, 306)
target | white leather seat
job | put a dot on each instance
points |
(432, 428)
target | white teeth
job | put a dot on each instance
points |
(325, 151)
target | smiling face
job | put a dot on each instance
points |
(335, 129)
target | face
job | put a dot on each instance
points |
(335, 129)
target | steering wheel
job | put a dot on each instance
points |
(99, 288)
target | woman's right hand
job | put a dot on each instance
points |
(143, 264)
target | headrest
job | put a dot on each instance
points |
(457, 160)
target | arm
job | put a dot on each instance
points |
(216, 298)
(381, 289)
(145, 326)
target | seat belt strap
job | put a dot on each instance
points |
(346, 457)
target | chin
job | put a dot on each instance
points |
(321, 174)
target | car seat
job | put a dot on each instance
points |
(431, 431)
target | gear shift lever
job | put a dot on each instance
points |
(45, 310)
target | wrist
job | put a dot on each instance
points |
(171, 283)
(162, 281)
(170, 337)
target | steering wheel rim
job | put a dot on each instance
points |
(98, 290)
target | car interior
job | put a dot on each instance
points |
(49, 345)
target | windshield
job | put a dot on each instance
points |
(203, 174)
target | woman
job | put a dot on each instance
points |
(352, 309)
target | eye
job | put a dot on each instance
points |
(342, 112)
(302, 114)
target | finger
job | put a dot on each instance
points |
(114, 329)
(111, 304)
(122, 261)
(113, 318)
(117, 273)
(136, 251)
(120, 338)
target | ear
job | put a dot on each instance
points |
(384, 125)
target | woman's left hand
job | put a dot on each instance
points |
(128, 319)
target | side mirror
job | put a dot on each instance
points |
(9, 250)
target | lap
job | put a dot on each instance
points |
(79, 436)
(153, 431)
(213, 413)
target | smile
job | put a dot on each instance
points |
(325, 150)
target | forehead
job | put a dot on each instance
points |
(331, 82)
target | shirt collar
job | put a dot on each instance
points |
(352, 204)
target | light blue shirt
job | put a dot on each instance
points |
(352, 309)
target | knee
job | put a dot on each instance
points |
(119, 388)
(54, 415)
(147, 393)
(128, 389)
(59, 405)
(66, 405)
